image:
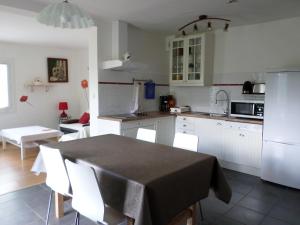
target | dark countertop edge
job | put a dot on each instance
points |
(150, 115)
(224, 118)
(156, 114)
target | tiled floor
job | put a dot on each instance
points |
(253, 202)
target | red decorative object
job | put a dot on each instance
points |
(84, 84)
(85, 118)
(23, 98)
(63, 106)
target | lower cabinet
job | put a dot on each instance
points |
(237, 146)
(164, 127)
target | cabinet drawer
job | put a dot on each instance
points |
(139, 123)
(185, 131)
(185, 126)
(185, 119)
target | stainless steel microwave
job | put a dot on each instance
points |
(247, 109)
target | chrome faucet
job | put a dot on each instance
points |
(221, 100)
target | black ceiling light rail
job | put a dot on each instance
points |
(209, 23)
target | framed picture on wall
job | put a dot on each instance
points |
(57, 70)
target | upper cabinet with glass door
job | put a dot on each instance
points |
(191, 61)
(177, 60)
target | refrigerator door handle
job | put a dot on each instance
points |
(283, 143)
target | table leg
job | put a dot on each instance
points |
(59, 205)
(3, 143)
(130, 221)
(192, 220)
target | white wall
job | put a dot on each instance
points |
(29, 62)
(244, 53)
(147, 49)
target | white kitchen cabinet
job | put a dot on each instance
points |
(242, 144)
(236, 145)
(164, 127)
(210, 137)
(191, 60)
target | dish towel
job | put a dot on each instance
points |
(135, 98)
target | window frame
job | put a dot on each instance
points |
(11, 88)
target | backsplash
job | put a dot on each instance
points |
(118, 99)
(203, 99)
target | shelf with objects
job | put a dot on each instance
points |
(38, 83)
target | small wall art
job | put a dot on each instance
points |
(57, 70)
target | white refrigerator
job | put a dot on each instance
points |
(281, 136)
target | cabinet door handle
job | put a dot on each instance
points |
(242, 135)
(219, 124)
(184, 132)
(184, 118)
(184, 125)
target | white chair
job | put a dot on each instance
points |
(87, 198)
(57, 177)
(146, 135)
(69, 137)
(186, 141)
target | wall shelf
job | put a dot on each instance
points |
(35, 86)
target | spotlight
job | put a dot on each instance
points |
(195, 27)
(183, 33)
(226, 27)
(209, 27)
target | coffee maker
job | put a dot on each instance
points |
(165, 103)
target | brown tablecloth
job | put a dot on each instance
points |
(148, 182)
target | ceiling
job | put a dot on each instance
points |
(169, 15)
(155, 15)
(22, 27)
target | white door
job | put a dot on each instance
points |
(165, 130)
(282, 107)
(281, 163)
(210, 136)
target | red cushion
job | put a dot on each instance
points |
(85, 118)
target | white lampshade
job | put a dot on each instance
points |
(65, 15)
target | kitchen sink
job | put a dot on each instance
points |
(130, 115)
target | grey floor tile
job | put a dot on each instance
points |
(227, 221)
(288, 215)
(215, 205)
(258, 205)
(240, 187)
(244, 215)
(236, 197)
(264, 195)
(272, 221)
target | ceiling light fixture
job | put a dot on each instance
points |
(209, 23)
(65, 15)
(195, 27)
(209, 27)
(226, 27)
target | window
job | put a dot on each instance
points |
(5, 87)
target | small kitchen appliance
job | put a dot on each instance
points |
(180, 109)
(247, 109)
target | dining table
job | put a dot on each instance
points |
(147, 182)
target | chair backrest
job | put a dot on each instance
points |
(186, 141)
(87, 198)
(57, 177)
(146, 135)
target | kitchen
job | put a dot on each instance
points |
(220, 105)
(235, 72)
